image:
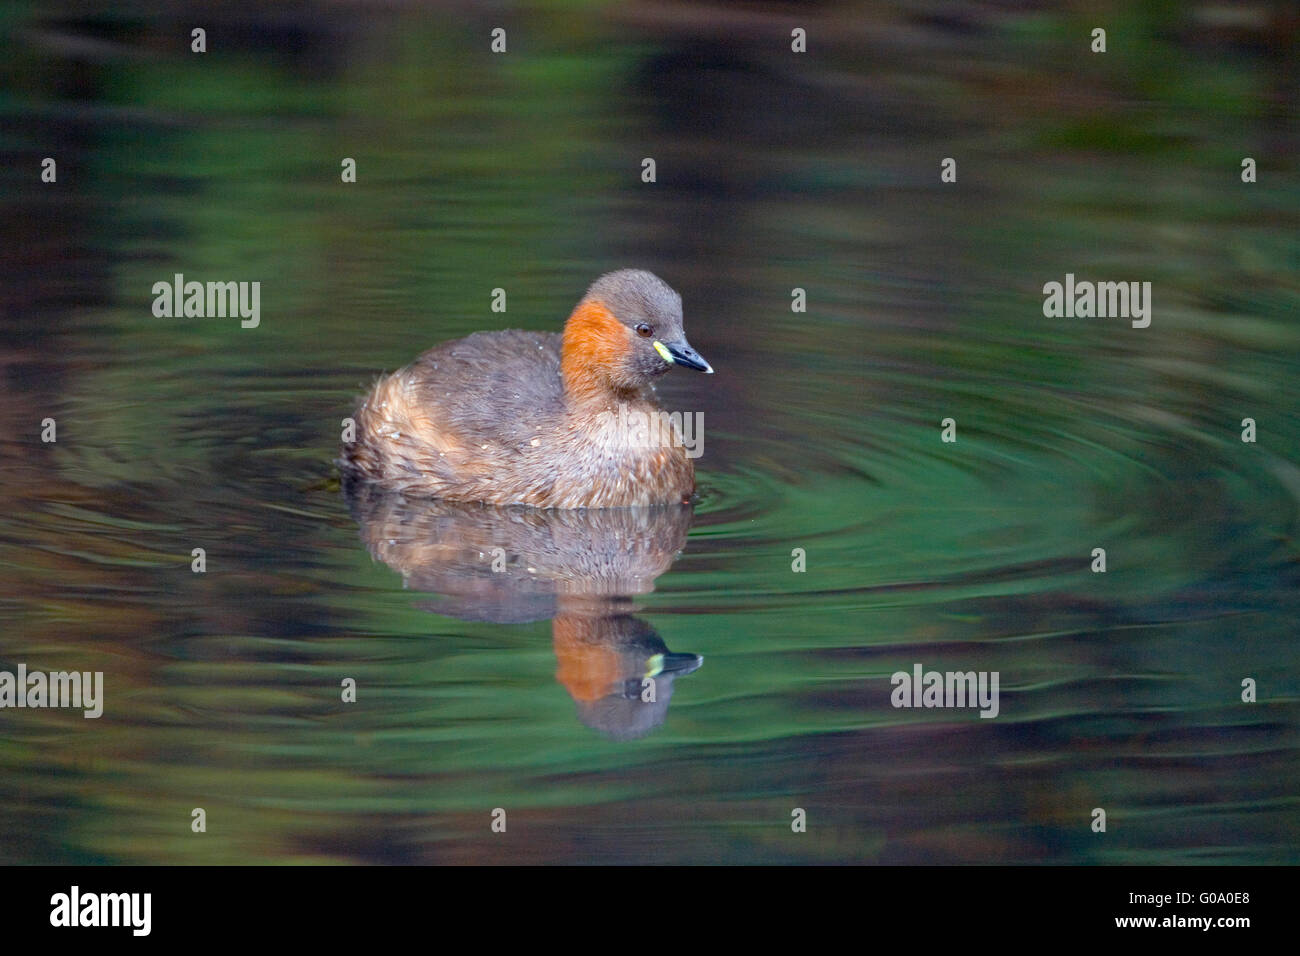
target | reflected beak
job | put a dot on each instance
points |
(681, 353)
(673, 664)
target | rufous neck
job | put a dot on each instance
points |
(592, 347)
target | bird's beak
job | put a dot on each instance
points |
(681, 353)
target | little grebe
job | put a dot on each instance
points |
(538, 418)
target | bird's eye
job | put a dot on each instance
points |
(644, 330)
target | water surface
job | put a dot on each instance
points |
(475, 691)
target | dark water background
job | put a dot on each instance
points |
(1119, 690)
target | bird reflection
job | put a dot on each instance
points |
(577, 568)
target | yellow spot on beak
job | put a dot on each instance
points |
(663, 351)
(655, 665)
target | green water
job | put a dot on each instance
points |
(775, 171)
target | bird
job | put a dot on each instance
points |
(547, 420)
